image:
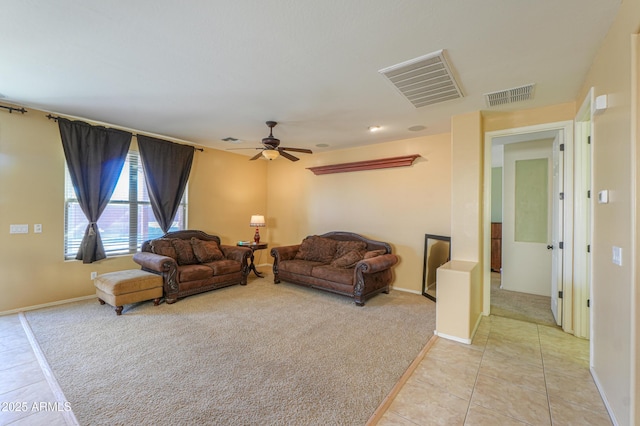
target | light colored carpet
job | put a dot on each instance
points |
(260, 354)
(521, 306)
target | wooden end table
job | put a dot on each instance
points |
(254, 247)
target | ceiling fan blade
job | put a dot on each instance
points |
(255, 157)
(232, 149)
(306, 151)
(288, 156)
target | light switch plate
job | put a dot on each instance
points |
(603, 197)
(617, 256)
(19, 229)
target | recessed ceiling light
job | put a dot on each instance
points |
(374, 128)
(417, 128)
(322, 145)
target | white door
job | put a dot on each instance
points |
(557, 226)
(527, 217)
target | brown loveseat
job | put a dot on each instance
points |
(339, 262)
(192, 262)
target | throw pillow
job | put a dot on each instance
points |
(206, 251)
(317, 249)
(348, 260)
(184, 252)
(374, 253)
(345, 247)
(163, 247)
(348, 253)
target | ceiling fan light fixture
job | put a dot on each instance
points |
(270, 154)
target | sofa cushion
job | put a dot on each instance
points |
(222, 267)
(297, 266)
(317, 249)
(184, 252)
(206, 251)
(337, 275)
(374, 253)
(348, 253)
(163, 247)
(194, 273)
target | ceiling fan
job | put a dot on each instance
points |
(271, 148)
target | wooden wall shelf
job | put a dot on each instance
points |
(383, 163)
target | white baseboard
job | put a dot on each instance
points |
(406, 290)
(77, 299)
(46, 305)
(454, 338)
(604, 397)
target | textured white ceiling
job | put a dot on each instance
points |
(201, 71)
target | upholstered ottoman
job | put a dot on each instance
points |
(125, 287)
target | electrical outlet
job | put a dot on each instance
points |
(37, 228)
(94, 275)
(19, 229)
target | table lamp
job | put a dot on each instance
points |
(257, 221)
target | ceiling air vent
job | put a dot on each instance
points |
(425, 80)
(517, 94)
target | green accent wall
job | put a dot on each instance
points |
(496, 194)
(532, 200)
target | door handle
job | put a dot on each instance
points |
(549, 247)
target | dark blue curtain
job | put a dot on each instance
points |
(95, 156)
(166, 168)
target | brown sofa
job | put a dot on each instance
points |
(193, 262)
(339, 262)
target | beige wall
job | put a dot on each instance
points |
(225, 189)
(467, 178)
(614, 327)
(397, 205)
(493, 121)
(635, 288)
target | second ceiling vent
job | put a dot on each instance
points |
(516, 94)
(425, 80)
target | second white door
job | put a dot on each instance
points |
(527, 217)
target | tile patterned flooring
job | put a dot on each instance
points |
(514, 373)
(29, 395)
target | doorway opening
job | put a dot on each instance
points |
(525, 175)
(544, 236)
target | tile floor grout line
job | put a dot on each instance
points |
(517, 419)
(475, 383)
(544, 375)
(68, 415)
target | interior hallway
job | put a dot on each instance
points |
(521, 306)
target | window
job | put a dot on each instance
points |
(128, 219)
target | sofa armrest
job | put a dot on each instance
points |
(377, 264)
(284, 252)
(165, 266)
(280, 254)
(154, 262)
(373, 275)
(241, 254)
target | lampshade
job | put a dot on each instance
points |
(270, 154)
(257, 220)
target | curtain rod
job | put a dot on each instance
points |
(54, 118)
(11, 109)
